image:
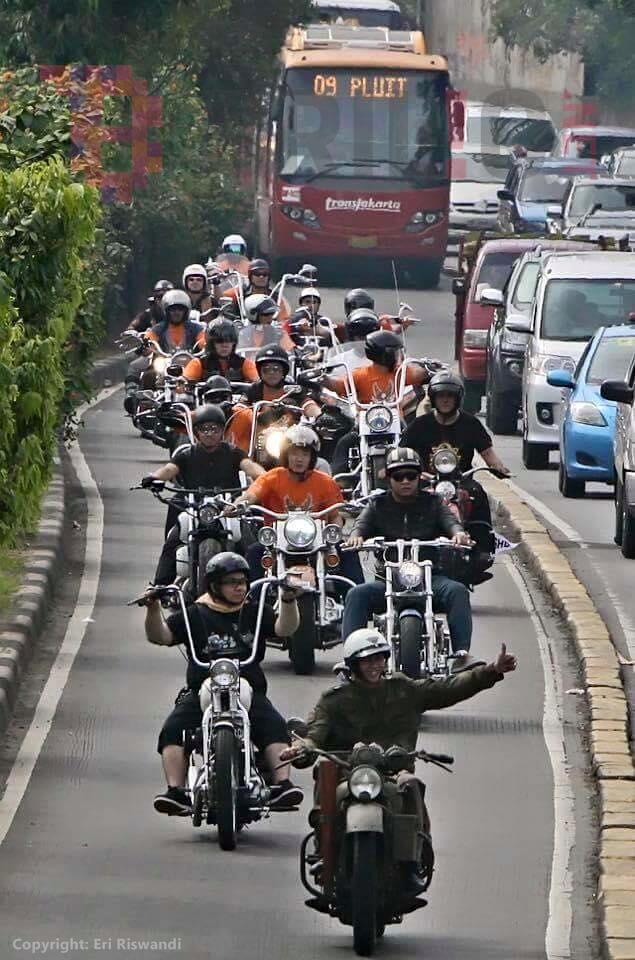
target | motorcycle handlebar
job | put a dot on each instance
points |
(377, 543)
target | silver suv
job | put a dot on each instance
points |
(623, 391)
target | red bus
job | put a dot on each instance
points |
(354, 158)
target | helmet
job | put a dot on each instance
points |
(383, 347)
(161, 287)
(310, 292)
(363, 643)
(300, 436)
(234, 243)
(209, 413)
(272, 354)
(309, 272)
(446, 382)
(258, 264)
(194, 270)
(173, 299)
(221, 330)
(221, 565)
(358, 298)
(361, 322)
(402, 457)
(258, 305)
(217, 391)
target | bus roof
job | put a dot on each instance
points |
(328, 45)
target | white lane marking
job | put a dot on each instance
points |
(558, 932)
(22, 769)
(626, 623)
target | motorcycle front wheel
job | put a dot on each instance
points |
(226, 792)
(302, 642)
(410, 646)
(364, 893)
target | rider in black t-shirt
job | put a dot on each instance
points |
(222, 625)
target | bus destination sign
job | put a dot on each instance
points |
(369, 87)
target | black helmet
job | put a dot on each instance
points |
(446, 382)
(161, 287)
(217, 391)
(258, 264)
(273, 354)
(383, 347)
(221, 331)
(300, 436)
(402, 457)
(358, 298)
(221, 565)
(360, 323)
(209, 413)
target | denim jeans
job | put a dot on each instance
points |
(449, 597)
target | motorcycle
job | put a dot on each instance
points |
(418, 637)
(359, 841)
(305, 539)
(270, 420)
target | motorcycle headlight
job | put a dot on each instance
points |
(410, 574)
(300, 531)
(445, 489)
(379, 419)
(161, 364)
(332, 533)
(273, 443)
(207, 514)
(267, 536)
(224, 673)
(365, 783)
(445, 461)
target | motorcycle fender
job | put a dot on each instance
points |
(185, 524)
(365, 818)
(629, 490)
(411, 612)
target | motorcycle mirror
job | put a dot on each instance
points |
(297, 727)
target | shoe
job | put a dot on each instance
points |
(413, 882)
(175, 802)
(285, 796)
(130, 405)
(463, 661)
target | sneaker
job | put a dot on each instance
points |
(285, 796)
(463, 661)
(175, 802)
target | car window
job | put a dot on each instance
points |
(494, 272)
(625, 166)
(540, 187)
(574, 309)
(587, 146)
(480, 167)
(582, 361)
(603, 196)
(612, 359)
(526, 286)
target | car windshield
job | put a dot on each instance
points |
(611, 359)
(537, 186)
(480, 167)
(505, 131)
(593, 148)
(606, 196)
(626, 166)
(574, 309)
(494, 272)
(526, 286)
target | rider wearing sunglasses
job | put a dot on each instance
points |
(407, 512)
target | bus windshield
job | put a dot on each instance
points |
(364, 123)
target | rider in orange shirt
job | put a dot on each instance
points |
(376, 380)
(220, 357)
(177, 330)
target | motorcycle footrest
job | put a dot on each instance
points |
(318, 903)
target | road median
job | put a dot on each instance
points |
(611, 753)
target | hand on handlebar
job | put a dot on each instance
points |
(152, 483)
(462, 539)
(236, 509)
(354, 543)
(500, 473)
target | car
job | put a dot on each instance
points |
(488, 125)
(533, 187)
(489, 269)
(476, 178)
(506, 349)
(622, 392)
(621, 163)
(576, 293)
(587, 420)
(591, 142)
(594, 207)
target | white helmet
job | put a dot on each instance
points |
(366, 642)
(176, 298)
(194, 270)
(234, 243)
(258, 305)
(310, 292)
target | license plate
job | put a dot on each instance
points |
(363, 243)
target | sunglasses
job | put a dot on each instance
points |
(404, 475)
(259, 273)
(209, 428)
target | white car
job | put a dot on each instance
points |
(576, 293)
(477, 177)
(487, 125)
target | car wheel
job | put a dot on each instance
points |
(617, 500)
(567, 485)
(628, 531)
(535, 455)
(501, 412)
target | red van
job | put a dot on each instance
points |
(491, 266)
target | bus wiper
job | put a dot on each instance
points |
(400, 165)
(334, 166)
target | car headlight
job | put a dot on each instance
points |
(512, 339)
(332, 534)
(224, 673)
(273, 443)
(267, 536)
(379, 419)
(161, 364)
(365, 783)
(300, 531)
(542, 363)
(588, 413)
(410, 574)
(445, 489)
(445, 461)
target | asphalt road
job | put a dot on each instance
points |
(85, 858)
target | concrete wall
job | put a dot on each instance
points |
(488, 71)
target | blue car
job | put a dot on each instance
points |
(532, 187)
(587, 421)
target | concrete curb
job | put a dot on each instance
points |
(43, 568)
(610, 748)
